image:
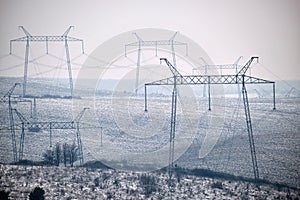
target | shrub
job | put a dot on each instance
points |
(97, 182)
(37, 194)
(4, 195)
(48, 157)
(217, 184)
(148, 183)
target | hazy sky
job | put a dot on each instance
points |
(224, 29)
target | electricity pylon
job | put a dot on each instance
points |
(37, 126)
(207, 67)
(28, 38)
(10, 99)
(239, 78)
(153, 43)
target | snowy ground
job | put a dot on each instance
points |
(276, 135)
(84, 183)
(127, 130)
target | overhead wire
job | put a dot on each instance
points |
(270, 71)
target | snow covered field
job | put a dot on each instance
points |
(84, 183)
(118, 132)
(276, 136)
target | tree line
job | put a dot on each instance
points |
(65, 154)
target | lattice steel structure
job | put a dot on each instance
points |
(37, 126)
(8, 98)
(153, 43)
(207, 67)
(239, 78)
(28, 38)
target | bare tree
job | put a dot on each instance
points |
(48, 157)
(73, 154)
(66, 153)
(57, 154)
(69, 153)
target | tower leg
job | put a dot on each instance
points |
(12, 130)
(69, 67)
(172, 131)
(204, 86)
(274, 106)
(79, 143)
(21, 149)
(173, 54)
(34, 110)
(209, 100)
(146, 106)
(50, 135)
(138, 69)
(25, 67)
(250, 132)
(238, 85)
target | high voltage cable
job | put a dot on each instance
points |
(12, 67)
(277, 76)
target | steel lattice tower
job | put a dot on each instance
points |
(153, 43)
(239, 78)
(28, 38)
(207, 67)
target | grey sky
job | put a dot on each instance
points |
(224, 29)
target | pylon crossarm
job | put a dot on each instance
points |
(10, 91)
(246, 66)
(67, 31)
(214, 79)
(21, 117)
(253, 80)
(53, 38)
(155, 42)
(228, 66)
(80, 115)
(54, 125)
(174, 71)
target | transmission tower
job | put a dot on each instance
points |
(239, 78)
(28, 38)
(8, 98)
(208, 67)
(37, 126)
(153, 43)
